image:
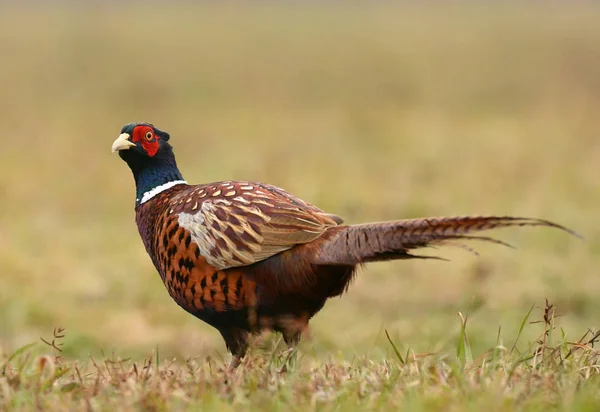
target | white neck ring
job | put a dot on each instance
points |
(159, 189)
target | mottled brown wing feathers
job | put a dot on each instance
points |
(238, 223)
(393, 240)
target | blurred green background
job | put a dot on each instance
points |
(372, 111)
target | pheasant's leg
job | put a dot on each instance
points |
(292, 328)
(292, 333)
(237, 343)
(292, 337)
(235, 362)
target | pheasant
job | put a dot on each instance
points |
(247, 256)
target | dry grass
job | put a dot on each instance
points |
(551, 374)
(371, 112)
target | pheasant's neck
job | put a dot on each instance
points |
(156, 178)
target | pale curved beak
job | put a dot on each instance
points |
(122, 143)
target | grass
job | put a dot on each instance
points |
(373, 112)
(551, 373)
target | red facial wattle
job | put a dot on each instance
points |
(148, 139)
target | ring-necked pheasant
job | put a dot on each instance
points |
(247, 256)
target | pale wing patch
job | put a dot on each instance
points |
(240, 231)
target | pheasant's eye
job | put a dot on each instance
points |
(148, 135)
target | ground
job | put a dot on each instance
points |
(370, 112)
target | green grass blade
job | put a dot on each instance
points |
(394, 348)
(16, 354)
(523, 323)
(463, 349)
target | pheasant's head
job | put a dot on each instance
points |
(140, 140)
(148, 154)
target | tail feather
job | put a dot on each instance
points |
(394, 240)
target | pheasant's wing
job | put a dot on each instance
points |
(237, 223)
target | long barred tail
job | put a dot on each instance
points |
(394, 240)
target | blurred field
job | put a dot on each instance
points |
(371, 112)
